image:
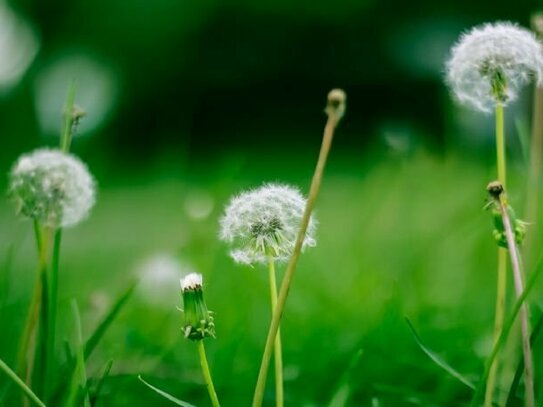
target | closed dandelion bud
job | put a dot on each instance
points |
(495, 190)
(198, 320)
(263, 223)
(490, 63)
(52, 187)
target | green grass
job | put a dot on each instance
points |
(396, 239)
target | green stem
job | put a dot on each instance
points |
(501, 290)
(498, 322)
(278, 350)
(25, 358)
(335, 113)
(207, 374)
(524, 320)
(66, 135)
(17, 380)
(508, 324)
(500, 145)
(53, 307)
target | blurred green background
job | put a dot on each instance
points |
(190, 102)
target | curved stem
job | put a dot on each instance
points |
(508, 324)
(334, 115)
(17, 380)
(524, 322)
(25, 358)
(207, 374)
(278, 351)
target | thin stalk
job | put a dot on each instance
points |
(501, 289)
(67, 128)
(524, 322)
(498, 321)
(53, 299)
(500, 144)
(207, 374)
(278, 350)
(25, 355)
(334, 110)
(17, 380)
(508, 324)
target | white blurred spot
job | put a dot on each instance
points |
(19, 45)
(96, 91)
(199, 205)
(159, 280)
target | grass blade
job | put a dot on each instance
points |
(343, 389)
(506, 329)
(438, 360)
(17, 380)
(166, 395)
(512, 397)
(78, 381)
(105, 374)
(99, 332)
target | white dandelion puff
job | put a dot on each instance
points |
(191, 281)
(52, 187)
(264, 223)
(490, 64)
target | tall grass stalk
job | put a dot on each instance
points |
(335, 109)
(278, 351)
(524, 321)
(70, 118)
(508, 324)
(17, 380)
(501, 288)
(27, 346)
(207, 374)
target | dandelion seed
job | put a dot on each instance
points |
(52, 187)
(264, 222)
(490, 64)
(199, 322)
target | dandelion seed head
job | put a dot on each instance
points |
(264, 222)
(191, 281)
(490, 64)
(52, 187)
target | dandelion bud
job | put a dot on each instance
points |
(490, 64)
(198, 320)
(52, 187)
(495, 190)
(336, 103)
(263, 223)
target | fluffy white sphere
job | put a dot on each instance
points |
(52, 187)
(264, 223)
(490, 63)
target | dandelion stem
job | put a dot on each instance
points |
(25, 358)
(53, 296)
(501, 289)
(524, 322)
(67, 130)
(334, 110)
(500, 144)
(207, 374)
(278, 350)
(508, 324)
